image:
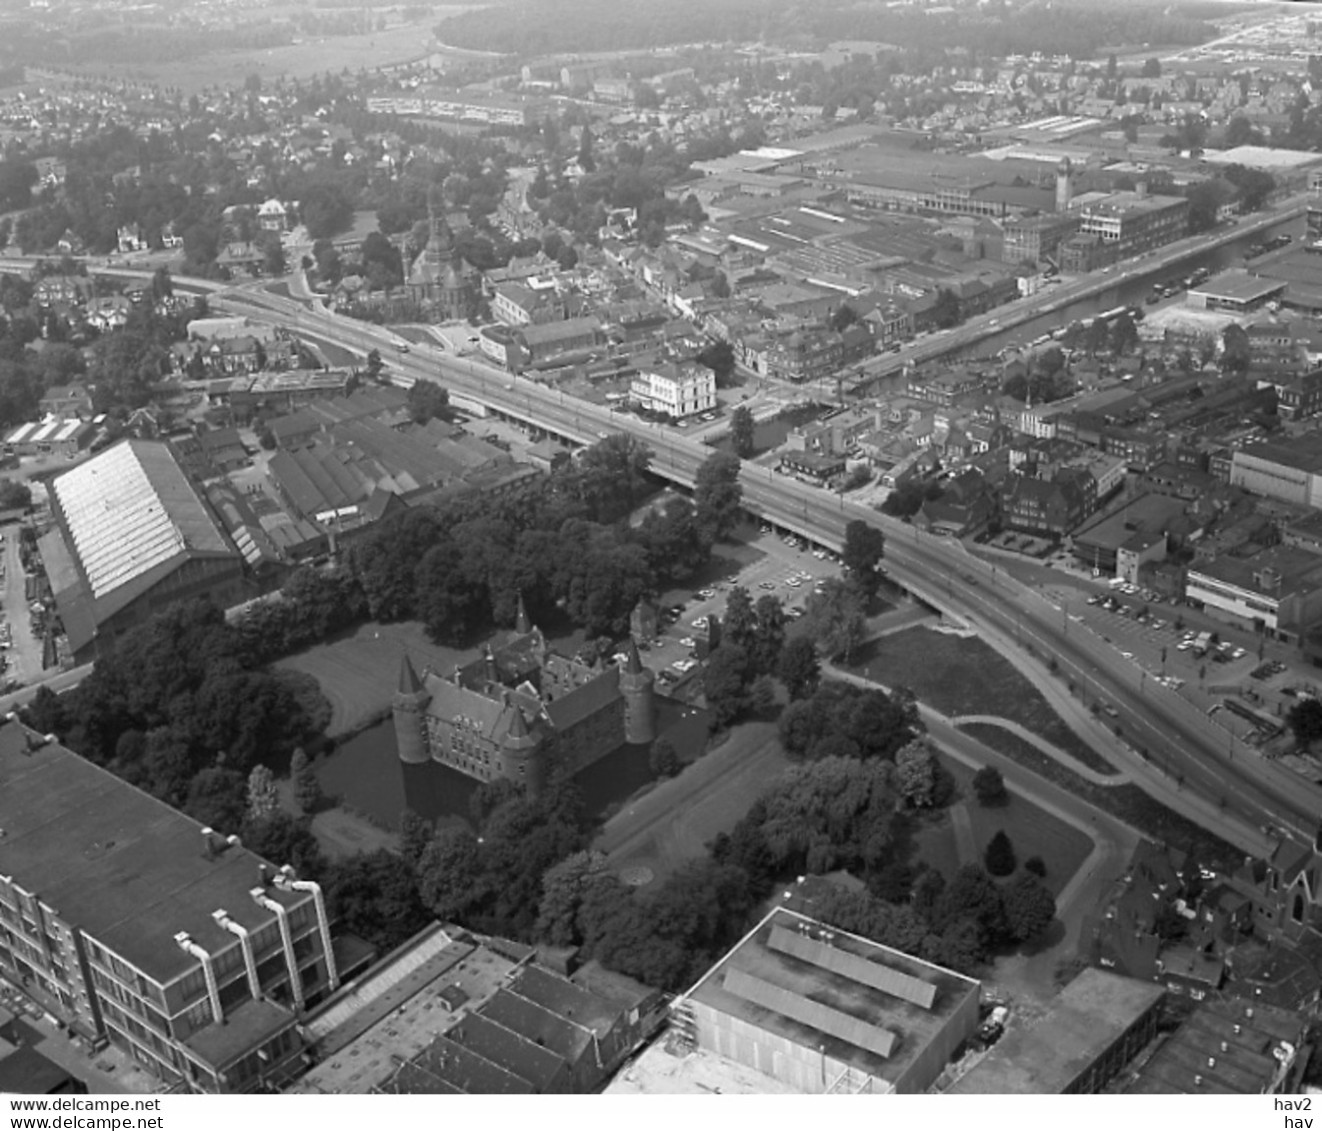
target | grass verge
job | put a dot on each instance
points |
(1127, 802)
(966, 676)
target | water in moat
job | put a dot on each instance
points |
(366, 774)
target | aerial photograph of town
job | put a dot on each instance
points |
(621, 547)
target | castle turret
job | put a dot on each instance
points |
(408, 705)
(636, 686)
(519, 749)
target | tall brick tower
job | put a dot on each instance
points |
(407, 705)
(636, 686)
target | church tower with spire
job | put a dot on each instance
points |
(408, 706)
(637, 685)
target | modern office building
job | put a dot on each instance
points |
(133, 924)
(1130, 223)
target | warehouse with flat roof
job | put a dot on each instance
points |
(133, 534)
(821, 1010)
(1096, 1026)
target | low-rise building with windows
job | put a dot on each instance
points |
(678, 391)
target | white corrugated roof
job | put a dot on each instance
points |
(21, 431)
(130, 509)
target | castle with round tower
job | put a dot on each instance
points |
(522, 711)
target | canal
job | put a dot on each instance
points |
(1133, 292)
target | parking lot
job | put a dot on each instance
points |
(1151, 635)
(771, 566)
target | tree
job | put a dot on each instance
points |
(989, 786)
(719, 358)
(375, 896)
(374, 365)
(262, 797)
(915, 774)
(1235, 352)
(844, 317)
(768, 636)
(946, 310)
(833, 619)
(725, 683)
(663, 760)
(1124, 334)
(307, 787)
(742, 430)
(1037, 866)
(1029, 908)
(448, 873)
(426, 400)
(999, 857)
(1152, 69)
(1240, 131)
(612, 476)
(864, 548)
(1305, 719)
(739, 624)
(415, 833)
(14, 495)
(717, 495)
(799, 668)
(564, 887)
(216, 798)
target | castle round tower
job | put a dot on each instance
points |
(520, 749)
(408, 706)
(636, 686)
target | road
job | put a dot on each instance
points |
(1181, 743)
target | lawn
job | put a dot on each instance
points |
(1127, 802)
(959, 675)
(359, 672)
(1032, 830)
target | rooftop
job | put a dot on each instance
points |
(131, 509)
(1086, 1017)
(1238, 286)
(863, 1004)
(1226, 1047)
(129, 870)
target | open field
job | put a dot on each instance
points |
(1032, 831)
(965, 676)
(320, 56)
(1127, 802)
(358, 672)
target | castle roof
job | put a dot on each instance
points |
(409, 683)
(635, 666)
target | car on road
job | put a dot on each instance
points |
(1184, 646)
(1111, 711)
(766, 584)
(706, 594)
(1096, 599)
(684, 665)
(1127, 655)
(667, 677)
(687, 642)
(794, 583)
(1238, 654)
